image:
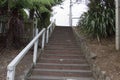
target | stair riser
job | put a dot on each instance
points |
(63, 51)
(65, 44)
(62, 62)
(62, 67)
(62, 54)
(58, 78)
(62, 74)
(63, 57)
(60, 46)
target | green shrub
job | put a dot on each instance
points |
(98, 24)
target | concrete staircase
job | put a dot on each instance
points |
(61, 59)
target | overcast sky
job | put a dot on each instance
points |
(61, 12)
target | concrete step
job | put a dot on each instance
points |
(62, 54)
(63, 67)
(61, 73)
(62, 61)
(63, 57)
(62, 70)
(58, 78)
(63, 51)
(61, 43)
(57, 48)
(58, 64)
(61, 46)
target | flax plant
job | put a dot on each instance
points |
(98, 23)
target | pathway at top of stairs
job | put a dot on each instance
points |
(61, 59)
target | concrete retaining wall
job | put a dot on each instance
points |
(90, 56)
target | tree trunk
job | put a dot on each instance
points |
(15, 32)
(32, 14)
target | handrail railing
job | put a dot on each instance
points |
(50, 29)
(11, 67)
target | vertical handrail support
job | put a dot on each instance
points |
(35, 49)
(50, 29)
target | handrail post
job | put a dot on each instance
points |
(35, 49)
(12, 65)
(51, 29)
(10, 73)
(53, 25)
(43, 40)
(47, 35)
(35, 24)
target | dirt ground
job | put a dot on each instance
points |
(108, 59)
(6, 56)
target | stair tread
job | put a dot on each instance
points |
(63, 64)
(59, 78)
(60, 54)
(63, 67)
(61, 70)
(61, 59)
(61, 74)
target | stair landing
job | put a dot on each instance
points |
(61, 59)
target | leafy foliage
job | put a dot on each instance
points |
(2, 2)
(14, 9)
(99, 21)
(37, 7)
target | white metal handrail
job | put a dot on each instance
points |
(50, 29)
(11, 67)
